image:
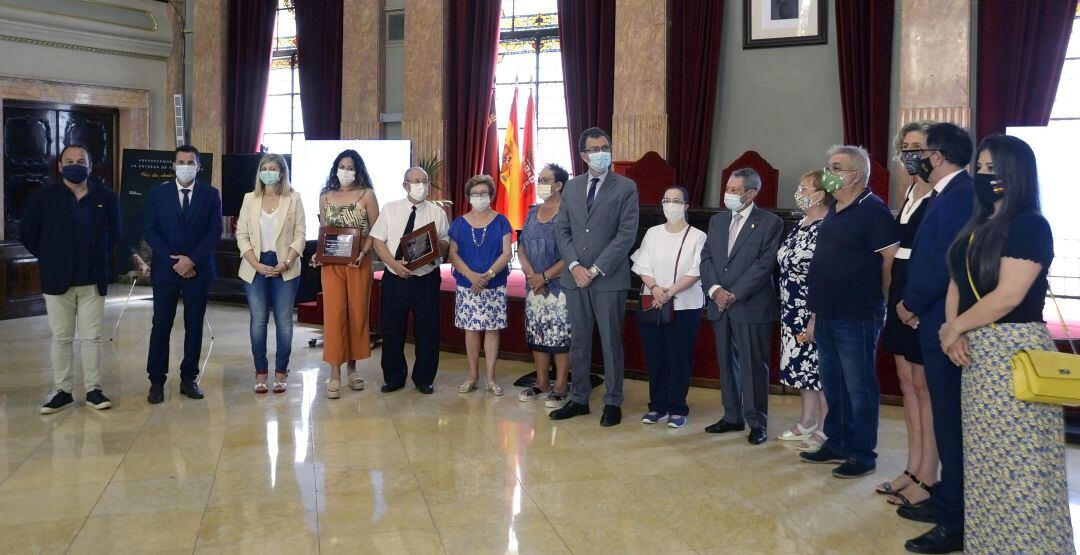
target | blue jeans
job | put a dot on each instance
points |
(264, 294)
(847, 353)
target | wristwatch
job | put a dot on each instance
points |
(289, 263)
(594, 271)
(546, 281)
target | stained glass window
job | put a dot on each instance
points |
(529, 56)
(283, 123)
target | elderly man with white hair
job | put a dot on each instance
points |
(848, 284)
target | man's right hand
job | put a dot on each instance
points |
(722, 298)
(399, 268)
(582, 277)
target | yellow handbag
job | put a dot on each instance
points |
(1041, 376)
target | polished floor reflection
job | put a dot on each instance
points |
(398, 473)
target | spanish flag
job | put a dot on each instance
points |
(510, 172)
(528, 167)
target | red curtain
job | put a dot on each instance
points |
(318, 51)
(472, 44)
(247, 68)
(587, 41)
(1020, 53)
(864, 33)
(693, 65)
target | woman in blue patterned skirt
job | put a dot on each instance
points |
(1015, 495)
(480, 255)
(798, 355)
(547, 322)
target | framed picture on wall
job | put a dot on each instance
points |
(770, 23)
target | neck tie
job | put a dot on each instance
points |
(187, 200)
(408, 229)
(733, 231)
(592, 193)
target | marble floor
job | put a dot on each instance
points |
(398, 473)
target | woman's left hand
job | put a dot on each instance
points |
(281, 268)
(661, 295)
(359, 259)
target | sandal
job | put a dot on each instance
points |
(813, 443)
(886, 488)
(260, 388)
(532, 394)
(495, 389)
(333, 389)
(797, 433)
(467, 386)
(279, 387)
(900, 500)
(356, 383)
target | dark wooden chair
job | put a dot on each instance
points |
(770, 177)
(652, 174)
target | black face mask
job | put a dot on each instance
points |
(925, 167)
(911, 161)
(989, 188)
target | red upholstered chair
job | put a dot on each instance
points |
(879, 180)
(770, 177)
(652, 174)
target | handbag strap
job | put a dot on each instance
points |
(675, 277)
(1057, 307)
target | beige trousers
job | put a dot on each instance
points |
(83, 308)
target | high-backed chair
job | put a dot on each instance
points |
(770, 177)
(879, 180)
(652, 174)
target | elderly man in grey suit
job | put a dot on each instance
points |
(737, 267)
(595, 230)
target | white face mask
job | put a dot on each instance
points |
(418, 191)
(599, 161)
(185, 174)
(346, 177)
(674, 212)
(269, 177)
(733, 202)
(544, 190)
(480, 202)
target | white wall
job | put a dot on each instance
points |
(782, 102)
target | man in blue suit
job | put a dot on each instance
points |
(183, 227)
(947, 154)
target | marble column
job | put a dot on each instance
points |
(639, 121)
(362, 70)
(424, 118)
(936, 54)
(208, 89)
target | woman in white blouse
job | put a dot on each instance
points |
(668, 265)
(270, 235)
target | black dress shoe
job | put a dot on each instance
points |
(853, 469)
(426, 389)
(191, 390)
(723, 427)
(387, 388)
(157, 394)
(612, 416)
(937, 540)
(927, 511)
(757, 436)
(822, 456)
(569, 410)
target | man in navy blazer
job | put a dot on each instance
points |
(183, 227)
(72, 227)
(948, 152)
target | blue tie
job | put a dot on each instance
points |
(592, 193)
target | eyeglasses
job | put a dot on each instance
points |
(547, 182)
(424, 182)
(838, 170)
(595, 149)
(672, 201)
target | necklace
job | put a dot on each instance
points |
(483, 236)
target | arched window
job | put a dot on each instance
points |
(283, 122)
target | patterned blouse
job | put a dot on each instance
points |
(347, 215)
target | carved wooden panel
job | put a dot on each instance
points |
(29, 156)
(20, 286)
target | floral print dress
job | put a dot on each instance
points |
(798, 362)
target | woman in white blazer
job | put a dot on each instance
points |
(270, 235)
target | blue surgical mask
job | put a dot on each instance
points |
(269, 177)
(599, 161)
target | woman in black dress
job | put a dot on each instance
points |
(913, 486)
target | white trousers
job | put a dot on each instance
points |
(82, 307)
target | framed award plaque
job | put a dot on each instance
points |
(421, 247)
(339, 245)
